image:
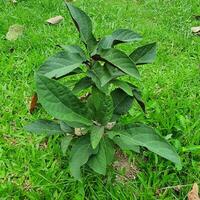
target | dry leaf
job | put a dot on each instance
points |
(193, 194)
(14, 1)
(196, 30)
(55, 20)
(33, 103)
(14, 32)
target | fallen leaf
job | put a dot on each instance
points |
(193, 194)
(14, 1)
(33, 103)
(196, 30)
(55, 20)
(14, 32)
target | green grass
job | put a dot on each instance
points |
(29, 169)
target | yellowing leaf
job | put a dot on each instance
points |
(14, 32)
(55, 20)
(193, 194)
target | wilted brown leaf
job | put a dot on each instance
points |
(193, 194)
(55, 20)
(14, 32)
(33, 103)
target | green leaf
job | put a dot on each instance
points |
(74, 49)
(145, 54)
(125, 144)
(101, 106)
(119, 36)
(80, 153)
(138, 98)
(122, 102)
(60, 102)
(146, 137)
(65, 127)
(74, 72)
(65, 142)
(44, 126)
(124, 86)
(105, 73)
(109, 149)
(96, 135)
(120, 60)
(82, 84)
(60, 64)
(98, 161)
(96, 74)
(104, 157)
(83, 24)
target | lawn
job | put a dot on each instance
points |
(32, 167)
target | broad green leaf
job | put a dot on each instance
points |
(124, 86)
(122, 101)
(109, 149)
(138, 97)
(98, 162)
(119, 36)
(83, 24)
(146, 137)
(96, 135)
(104, 157)
(82, 84)
(65, 142)
(80, 153)
(60, 64)
(145, 54)
(120, 60)
(106, 72)
(101, 106)
(65, 127)
(74, 49)
(101, 73)
(95, 74)
(60, 102)
(44, 126)
(125, 144)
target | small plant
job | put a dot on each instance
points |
(87, 116)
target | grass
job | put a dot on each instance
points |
(32, 169)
